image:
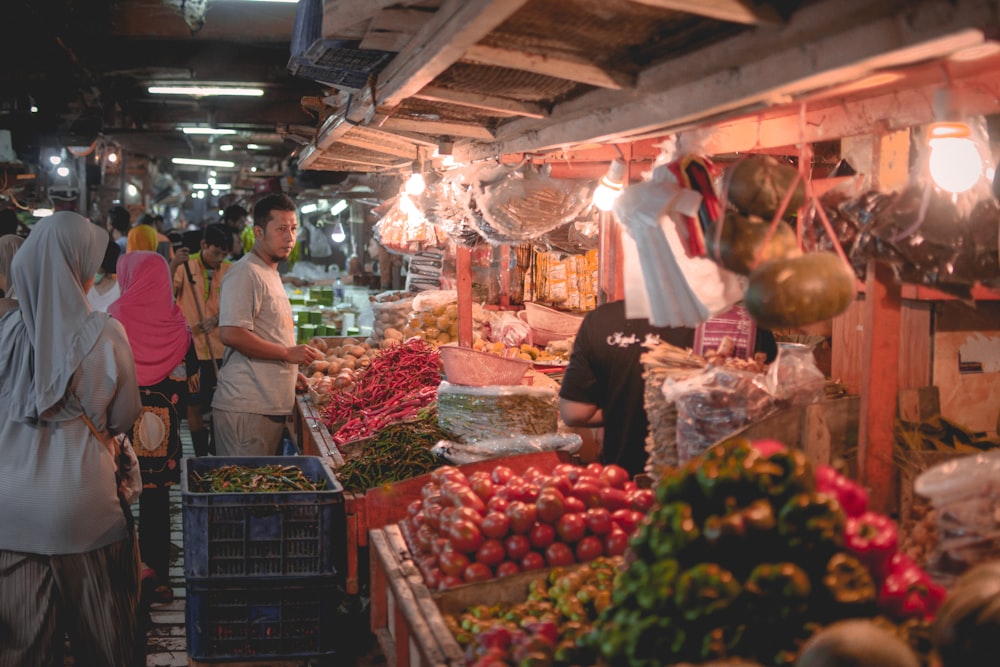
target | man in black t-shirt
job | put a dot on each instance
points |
(603, 383)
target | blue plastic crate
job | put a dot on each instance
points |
(259, 619)
(261, 534)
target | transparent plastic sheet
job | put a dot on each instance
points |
(793, 378)
(573, 238)
(445, 204)
(458, 453)
(929, 235)
(472, 414)
(526, 204)
(966, 494)
(714, 404)
(404, 230)
(675, 290)
(390, 311)
(509, 329)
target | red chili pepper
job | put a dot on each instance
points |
(873, 538)
(852, 496)
(908, 591)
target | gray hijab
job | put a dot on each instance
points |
(43, 342)
(9, 243)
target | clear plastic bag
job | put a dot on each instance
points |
(966, 494)
(390, 311)
(509, 329)
(713, 405)
(525, 204)
(459, 453)
(793, 377)
(472, 414)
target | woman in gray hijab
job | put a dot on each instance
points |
(9, 243)
(68, 561)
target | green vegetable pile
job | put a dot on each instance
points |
(741, 557)
(262, 479)
(397, 452)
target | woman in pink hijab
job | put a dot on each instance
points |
(165, 360)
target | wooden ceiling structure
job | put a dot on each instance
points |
(481, 79)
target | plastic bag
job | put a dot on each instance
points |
(129, 476)
(404, 230)
(459, 453)
(509, 329)
(966, 494)
(794, 377)
(713, 405)
(472, 414)
(674, 289)
(390, 311)
(525, 204)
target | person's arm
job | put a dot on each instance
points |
(574, 413)
(253, 346)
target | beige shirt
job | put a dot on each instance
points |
(253, 298)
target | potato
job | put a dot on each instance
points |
(350, 363)
(334, 367)
(318, 343)
(386, 343)
(320, 366)
(363, 362)
(443, 338)
(356, 351)
(393, 333)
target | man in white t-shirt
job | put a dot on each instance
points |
(257, 382)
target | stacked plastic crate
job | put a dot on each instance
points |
(261, 566)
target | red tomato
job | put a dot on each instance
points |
(573, 505)
(465, 536)
(522, 516)
(466, 497)
(414, 507)
(614, 499)
(507, 568)
(495, 525)
(542, 535)
(627, 519)
(477, 572)
(453, 563)
(615, 476)
(595, 469)
(424, 538)
(517, 546)
(589, 548)
(491, 552)
(433, 578)
(497, 504)
(532, 561)
(598, 520)
(468, 514)
(525, 492)
(531, 473)
(642, 500)
(439, 545)
(630, 486)
(571, 527)
(558, 482)
(558, 554)
(564, 469)
(446, 516)
(615, 543)
(588, 492)
(417, 520)
(482, 485)
(550, 505)
(430, 490)
(450, 582)
(501, 474)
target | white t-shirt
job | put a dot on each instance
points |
(99, 301)
(253, 298)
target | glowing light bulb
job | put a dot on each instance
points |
(63, 171)
(338, 235)
(955, 164)
(610, 187)
(415, 185)
(112, 157)
(55, 160)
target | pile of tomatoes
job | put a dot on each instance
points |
(494, 524)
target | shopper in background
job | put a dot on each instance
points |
(68, 562)
(197, 286)
(235, 218)
(165, 363)
(603, 385)
(142, 237)
(259, 374)
(119, 224)
(9, 245)
(105, 290)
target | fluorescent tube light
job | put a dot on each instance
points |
(207, 130)
(225, 148)
(205, 90)
(196, 162)
(338, 208)
(42, 212)
(255, 147)
(309, 208)
(199, 186)
(223, 186)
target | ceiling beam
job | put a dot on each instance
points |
(737, 75)
(381, 142)
(746, 12)
(439, 128)
(341, 15)
(499, 105)
(457, 25)
(547, 65)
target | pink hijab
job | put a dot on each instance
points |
(156, 328)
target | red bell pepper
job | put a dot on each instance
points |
(852, 496)
(873, 538)
(908, 591)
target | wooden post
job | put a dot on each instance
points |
(463, 269)
(504, 276)
(880, 358)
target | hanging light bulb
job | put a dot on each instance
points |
(415, 185)
(955, 163)
(338, 234)
(611, 186)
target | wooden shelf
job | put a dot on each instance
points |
(920, 293)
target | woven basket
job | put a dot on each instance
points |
(479, 369)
